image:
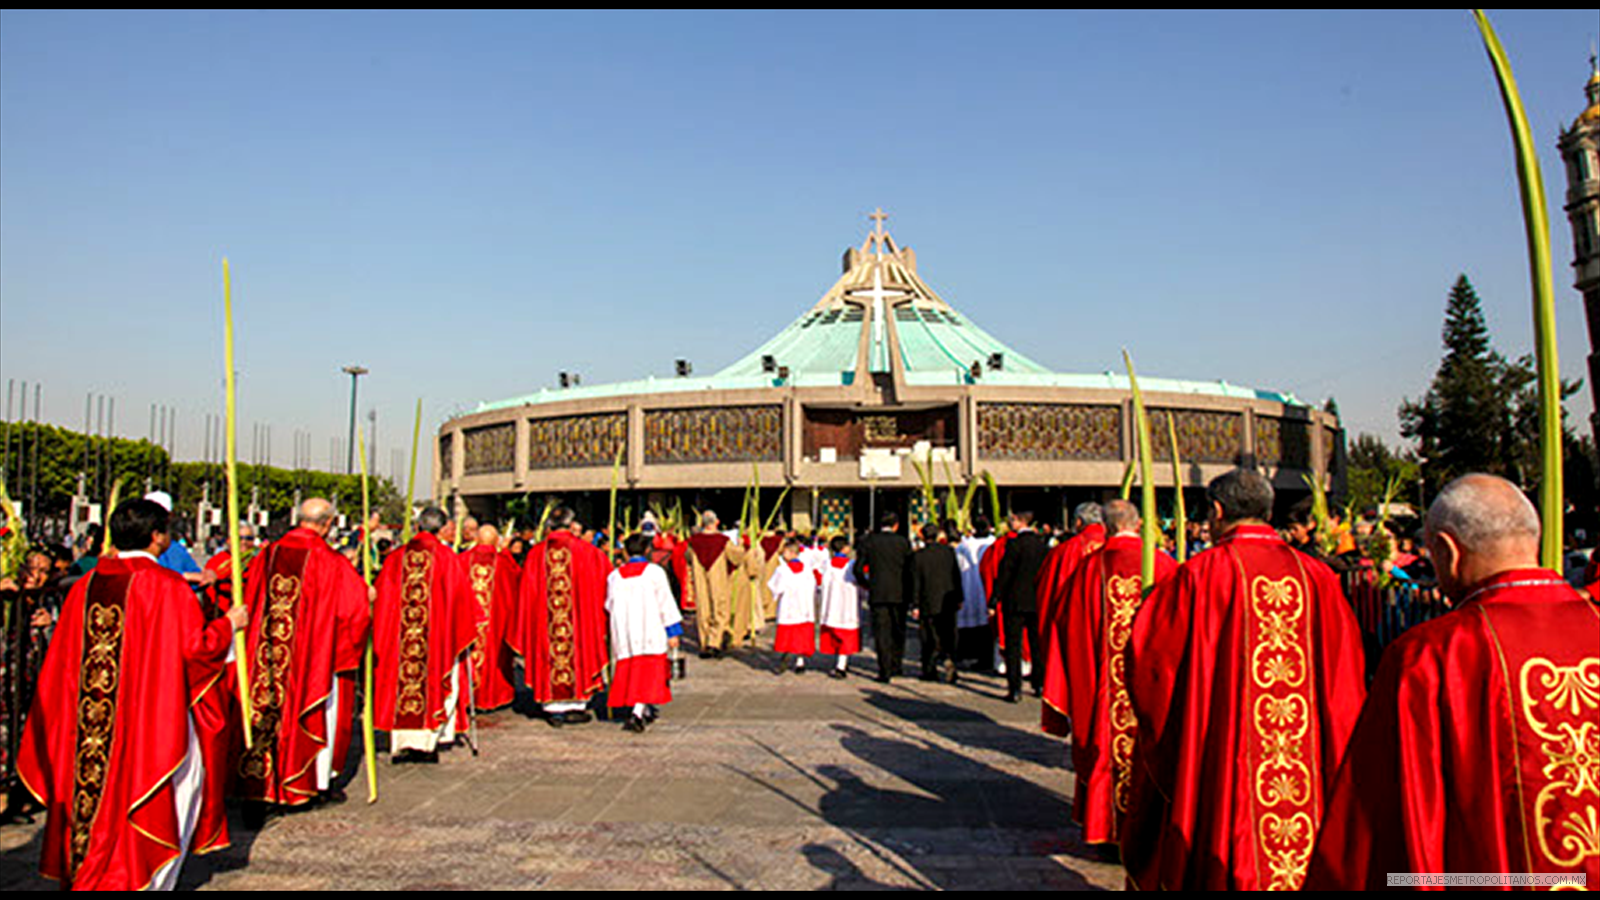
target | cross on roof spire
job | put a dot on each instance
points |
(877, 218)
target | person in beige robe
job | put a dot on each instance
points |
(716, 565)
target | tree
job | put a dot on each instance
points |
(1481, 412)
(1372, 465)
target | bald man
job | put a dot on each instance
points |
(309, 613)
(1477, 750)
(496, 578)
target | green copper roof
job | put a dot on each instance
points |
(879, 291)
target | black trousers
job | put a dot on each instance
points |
(1018, 621)
(938, 638)
(889, 637)
(976, 644)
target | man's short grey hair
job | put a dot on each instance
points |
(1088, 513)
(1482, 511)
(1243, 493)
(1121, 516)
(431, 520)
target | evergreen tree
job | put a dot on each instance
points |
(1463, 419)
(1481, 412)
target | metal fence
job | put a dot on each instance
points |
(1384, 612)
(20, 657)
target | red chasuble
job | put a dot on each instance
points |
(110, 725)
(1057, 570)
(1245, 670)
(561, 625)
(308, 624)
(422, 622)
(495, 580)
(1087, 683)
(1479, 749)
(1054, 576)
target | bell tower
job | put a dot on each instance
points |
(1580, 148)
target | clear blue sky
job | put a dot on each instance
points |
(470, 203)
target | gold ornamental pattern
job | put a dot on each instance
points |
(483, 589)
(1559, 705)
(1122, 603)
(269, 687)
(558, 603)
(103, 621)
(416, 595)
(1283, 754)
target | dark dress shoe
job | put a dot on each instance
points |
(577, 717)
(1014, 697)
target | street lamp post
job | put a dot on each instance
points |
(355, 373)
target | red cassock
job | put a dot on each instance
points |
(422, 623)
(1246, 674)
(1050, 593)
(107, 742)
(989, 569)
(495, 579)
(561, 618)
(680, 568)
(1479, 748)
(1087, 683)
(308, 627)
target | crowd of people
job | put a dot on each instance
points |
(1217, 711)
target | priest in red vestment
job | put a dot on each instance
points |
(1089, 535)
(1246, 674)
(1091, 690)
(111, 748)
(309, 612)
(495, 578)
(422, 626)
(560, 630)
(1479, 748)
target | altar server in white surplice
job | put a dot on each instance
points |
(645, 624)
(841, 607)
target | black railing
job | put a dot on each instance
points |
(1385, 611)
(20, 658)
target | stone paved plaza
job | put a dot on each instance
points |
(750, 781)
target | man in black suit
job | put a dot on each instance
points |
(936, 589)
(881, 568)
(1014, 591)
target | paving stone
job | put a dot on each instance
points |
(749, 781)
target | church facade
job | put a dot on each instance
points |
(880, 384)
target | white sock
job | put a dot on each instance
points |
(842, 662)
(639, 709)
(799, 663)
